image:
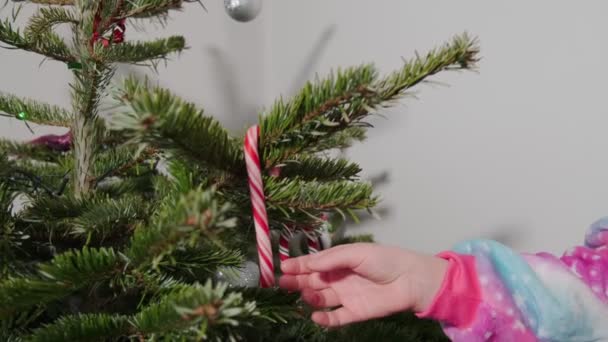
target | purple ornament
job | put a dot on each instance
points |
(55, 142)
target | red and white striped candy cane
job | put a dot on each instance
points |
(284, 238)
(313, 241)
(287, 234)
(260, 218)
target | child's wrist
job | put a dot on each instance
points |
(431, 277)
(459, 295)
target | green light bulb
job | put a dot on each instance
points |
(22, 115)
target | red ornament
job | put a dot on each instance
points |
(118, 32)
(55, 142)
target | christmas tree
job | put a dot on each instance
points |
(138, 223)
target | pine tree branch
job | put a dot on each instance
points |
(39, 113)
(301, 195)
(53, 2)
(10, 238)
(313, 100)
(108, 162)
(398, 327)
(20, 294)
(144, 184)
(75, 269)
(82, 327)
(193, 264)
(197, 217)
(340, 140)
(150, 8)
(27, 151)
(65, 274)
(94, 219)
(87, 89)
(158, 117)
(110, 217)
(212, 312)
(12, 329)
(197, 311)
(333, 105)
(274, 305)
(307, 167)
(50, 210)
(136, 52)
(86, 92)
(48, 44)
(459, 54)
(43, 21)
(118, 162)
(31, 177)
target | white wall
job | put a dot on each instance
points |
(515, 152)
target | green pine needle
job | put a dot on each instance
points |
(65, 274)
(308, 167)
(314, 195)
(346, 98)
(150, 8)
(82, 327)
(158, 117)
(43, 21)
(48, 44)
(137, 52)
(199, 311)
(40, 113)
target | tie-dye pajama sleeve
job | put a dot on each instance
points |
(491, 293)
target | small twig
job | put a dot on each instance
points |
(124, 167)
(64, 183)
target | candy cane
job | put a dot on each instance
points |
(284, 238)
(260, 218)
(313, 241)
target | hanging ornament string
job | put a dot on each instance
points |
(260, 218)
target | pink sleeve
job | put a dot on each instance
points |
(490, 292)
(459, 296)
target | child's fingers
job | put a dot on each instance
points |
(334, 318)
(295, 265)
(321, 299)
(312, 281)
(300, 264)
(338, 258)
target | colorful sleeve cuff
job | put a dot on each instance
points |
(458, 298)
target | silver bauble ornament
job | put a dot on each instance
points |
(243, 10)
(246, 275)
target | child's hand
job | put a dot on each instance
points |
(366, 280)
